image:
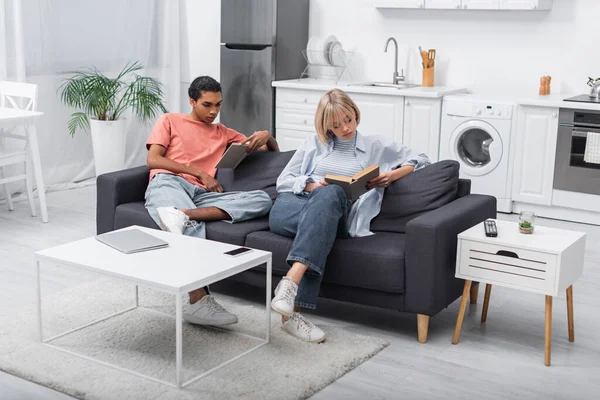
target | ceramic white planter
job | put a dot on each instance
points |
(108, 142)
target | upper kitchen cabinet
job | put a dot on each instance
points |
(534, 154)
(443, 4)
(463, 4)
(525, 4)
(396, 3)
(422, 125)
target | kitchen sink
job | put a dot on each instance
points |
(402, 85)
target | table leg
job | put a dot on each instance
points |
(38, 307)
(178, 339)
(461, 312)
(570, 313)
(137, 298)
(548, 331)
(268, 305)
(486, 302)
(37, 169)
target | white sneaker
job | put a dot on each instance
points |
(207, 311)
(301, 328)
(172, 220)
(285, 294)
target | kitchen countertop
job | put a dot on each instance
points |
(557, 100)
(350, 87)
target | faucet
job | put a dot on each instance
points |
(396, 77)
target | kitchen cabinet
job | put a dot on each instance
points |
(534, 154)
(463, 4)
(397, 3)
(443, 4)
(295, 115)
(380, 115)
(525, 4)
(480, 4)
(422, 118)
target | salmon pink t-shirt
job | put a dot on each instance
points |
(192, 143)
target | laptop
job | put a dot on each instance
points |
(131, 241)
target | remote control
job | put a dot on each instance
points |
(490, 228)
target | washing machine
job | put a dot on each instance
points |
(476, 132)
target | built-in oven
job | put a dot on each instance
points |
(571, 172)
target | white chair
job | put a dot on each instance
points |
(10, 92)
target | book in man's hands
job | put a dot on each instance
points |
(233, 156)
(354, 186)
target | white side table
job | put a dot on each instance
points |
(546, 262)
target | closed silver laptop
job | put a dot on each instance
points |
(131, 241)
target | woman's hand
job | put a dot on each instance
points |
(211, 183)
(313, 185)
(383, 180)
(257, 140)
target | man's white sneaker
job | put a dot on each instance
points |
(172, 220)
(285, 294)
(207, 311)
(301, 328)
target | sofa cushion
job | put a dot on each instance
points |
(235, 233)
(133, 214)
(372, 262)
(258, 171)
(421, 191)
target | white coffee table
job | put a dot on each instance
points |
(168, 270)
(546, 262)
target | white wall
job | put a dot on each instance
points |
(204, 39)
(503, 52)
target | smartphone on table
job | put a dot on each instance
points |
(238, 251)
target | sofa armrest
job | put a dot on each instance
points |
(114, 188)
(431, 242)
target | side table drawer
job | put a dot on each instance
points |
(512, 266)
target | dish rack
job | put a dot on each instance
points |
(321, 64)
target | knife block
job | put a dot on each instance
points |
(428, 76)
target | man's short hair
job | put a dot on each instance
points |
(203, 84)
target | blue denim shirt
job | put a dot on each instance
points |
(370, 150)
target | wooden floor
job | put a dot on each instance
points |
(503, 358)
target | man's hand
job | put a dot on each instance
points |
(211, 183)
(383, 180)
(257, 140)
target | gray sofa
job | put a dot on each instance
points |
(408, 265)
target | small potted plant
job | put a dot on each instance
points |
(526, 222)
(101, 101)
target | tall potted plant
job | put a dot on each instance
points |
(102, 101)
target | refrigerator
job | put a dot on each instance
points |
(261, 41)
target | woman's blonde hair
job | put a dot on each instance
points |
(335, 105)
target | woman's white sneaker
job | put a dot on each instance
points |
(172, 220)
(301, 328)
(207, 311)
(285, 294)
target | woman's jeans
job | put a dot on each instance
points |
(314, 221)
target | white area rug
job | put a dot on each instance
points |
(144, 340)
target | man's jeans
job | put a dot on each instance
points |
(314, 221)
(167, 190)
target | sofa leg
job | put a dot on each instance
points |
(422, 327)
(474, 293)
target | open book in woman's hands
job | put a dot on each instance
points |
(354, 186)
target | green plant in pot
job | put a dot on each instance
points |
(102, 101)
(526, 227)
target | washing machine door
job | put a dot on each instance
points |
(477, 146)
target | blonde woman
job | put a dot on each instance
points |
(315, 213)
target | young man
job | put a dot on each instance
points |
(183, 192)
